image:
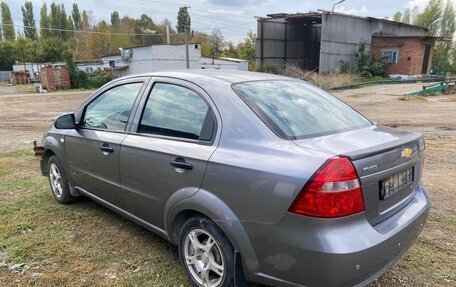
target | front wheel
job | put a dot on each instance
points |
(206, 253)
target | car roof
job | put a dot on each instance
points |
(203, 76)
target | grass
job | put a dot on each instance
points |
(327, 81)
(82, 244)
(85, 244)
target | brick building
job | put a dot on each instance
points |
(406, 55)
(55, 77)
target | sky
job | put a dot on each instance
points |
(234, 18)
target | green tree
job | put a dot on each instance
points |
(406, 16)
(397, 17)
(51, 49)
(7, 52)
(230, 50)
(28, 21)
(76, 16)
(85, 21)
(431, 17)
(448, 25)
(217, 43)
(183, 21)
(58, 21)
(7, 23)
(44, 22)
(247, 49)
(145, 25)
(115, 20)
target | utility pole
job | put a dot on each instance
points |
(187, 20)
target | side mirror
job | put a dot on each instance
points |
(66, 121)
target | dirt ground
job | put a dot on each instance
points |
(430, 262)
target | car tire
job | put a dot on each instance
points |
(59, 181)
(206, 254)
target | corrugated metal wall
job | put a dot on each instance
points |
(288, 42)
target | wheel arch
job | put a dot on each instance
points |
(205, 203)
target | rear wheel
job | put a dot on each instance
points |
(59, 181)
(206, 253)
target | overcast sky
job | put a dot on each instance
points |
(233, 17)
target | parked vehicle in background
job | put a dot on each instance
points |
(251, 175)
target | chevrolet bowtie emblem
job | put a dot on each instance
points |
(407, 152)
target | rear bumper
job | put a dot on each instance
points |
(348, 251)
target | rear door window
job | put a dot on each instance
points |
(296, 110)
(174, 111)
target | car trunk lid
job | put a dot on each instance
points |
(388, 162)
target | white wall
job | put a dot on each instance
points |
(163, 57)
(223, 64)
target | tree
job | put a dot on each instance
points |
(7, 23)
(44, 22)
(58, 21)
(431, 16)
(247, 49)
(406, 16)
(7, 53)
(230, 50)
(85, 21)
(448, 25)
(145, 25)
(28, 21)
(76, 16)
(397, 17)
(217, 43)
(99, 44)
(183, 21)
(115, 20)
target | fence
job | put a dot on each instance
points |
(5, 76)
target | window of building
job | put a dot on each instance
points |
(112, 63)
(392, 56)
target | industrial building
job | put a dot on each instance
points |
(321, 41)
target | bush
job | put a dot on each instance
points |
(347, 68)
(98, 78)
(267, 69)
(379, 69)
(366, 66)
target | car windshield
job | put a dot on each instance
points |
(296, 110)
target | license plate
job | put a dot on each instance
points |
(395, 183)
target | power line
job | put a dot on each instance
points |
(90, 32)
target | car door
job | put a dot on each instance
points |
(93, 148)
(172, 138)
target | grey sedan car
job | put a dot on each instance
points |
(255, 177)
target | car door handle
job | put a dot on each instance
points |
(106, 149)
(180, 163)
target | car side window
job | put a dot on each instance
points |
(174, 111)
(110, 110)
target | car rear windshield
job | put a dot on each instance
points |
(295, 109)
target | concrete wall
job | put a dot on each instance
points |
(223, 64)
(341, 34)
(162, 57)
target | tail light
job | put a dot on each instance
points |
(333, 191)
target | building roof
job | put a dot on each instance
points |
(316, 17)
(424, 37)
